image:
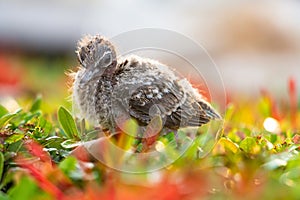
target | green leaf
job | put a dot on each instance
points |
(36, 105)
(275, 163)
(70, 144)
(71, 168)
(91, 135)
(67, 123)
(226, 145)
(26, 189)
(1, 164)
(229, 112)
(53, 141)
(5, 118)
(68, 164)
(169, 140)
(130, 127)
(14, 138)
(249, 145)
(30, 116)
(7, 178)
(139, 147)
(291, 178)
(170, 136)
(44, 124)
(264, 107)
(13, 148)
(232, 135)
(3, 111)
(3, 196)
(130, 131)
(273, 138)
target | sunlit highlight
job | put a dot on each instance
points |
(271, 125)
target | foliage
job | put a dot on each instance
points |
(38, 160)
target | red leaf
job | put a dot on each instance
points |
(42, 181)
(293, 100)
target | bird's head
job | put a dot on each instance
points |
(96, 56)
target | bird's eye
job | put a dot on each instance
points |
(82, 54)
(82, 57)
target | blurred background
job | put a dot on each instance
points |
(255, 44)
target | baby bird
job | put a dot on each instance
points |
(108, 90)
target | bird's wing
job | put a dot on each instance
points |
(177, 108)
(161, 99)
(191, 113)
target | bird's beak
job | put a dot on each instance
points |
(90, 75)
(86, 77)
